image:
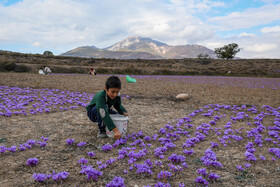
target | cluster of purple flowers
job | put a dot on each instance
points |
(32, 161)
(143, 168)
(23, 101)
(138, 142)
(213, 145)
(133, 156)
(23, 147)
(91, 154)
(177, 158)
(164, 174)
(159, 152)
(177, 168)
(116, 182)
(82, 161)
(211, 176)
(190, 152)
(70, 141)
(210, 158)
(249, 154)
(107, 147)
(91, 172)
(81, 144)
(60, 176)
(275, 151)
(120, 141)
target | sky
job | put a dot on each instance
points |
(34, 26)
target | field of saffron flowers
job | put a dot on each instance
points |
(225, 134)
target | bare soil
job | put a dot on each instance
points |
(151, 105)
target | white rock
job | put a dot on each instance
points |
(182, 96)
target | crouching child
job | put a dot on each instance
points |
(101, 106)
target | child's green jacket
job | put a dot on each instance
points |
(103, 102)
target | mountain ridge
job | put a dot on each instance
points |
(134, 47)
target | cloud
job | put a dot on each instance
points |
(262, 47)
(244, 34)
(274, 29)
(36, 44)
(73, 23)
(248, 18)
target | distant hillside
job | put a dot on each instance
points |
(135, 47)
(101, 53)
(19, 62)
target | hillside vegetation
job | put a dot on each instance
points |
(18, 62)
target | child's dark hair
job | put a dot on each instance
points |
(113, 82)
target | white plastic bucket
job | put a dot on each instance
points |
(41, 72)
(120, 122)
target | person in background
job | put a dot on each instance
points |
(47, 70)
(101, 105)
(92, 71)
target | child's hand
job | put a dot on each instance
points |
(117, 133)
(125, 114)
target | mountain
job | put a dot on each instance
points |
(135, 47)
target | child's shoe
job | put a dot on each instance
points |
(101, 134)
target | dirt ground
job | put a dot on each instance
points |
(151, 105)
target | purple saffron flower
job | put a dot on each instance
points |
(3, 149)
(39, 177)
(99, 162)
(190, 152)
(60, 176)
(213, 145)
(12, 148)
(247, 165)
(177, 158)
(184, 164)
(91, 172)
(202, 171)
(31, 142)
(147, 138)
(44, 139)
(43, 144)
(201, 180)
(239, 167)
(91, 154)
(116, 182)
(107, 147)
(162, 184)
(110, 161)
(262, 157)
(164, 174)
(181, 184)
(175, 168)
(81, 144)
(27, 146)
(103, 166)
(82, 161)
(32, 161)
(158, 162)
(22, 147)
(213, 176)
(70, 141)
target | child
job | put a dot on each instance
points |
(101, 104)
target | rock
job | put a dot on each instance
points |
(182, 96)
